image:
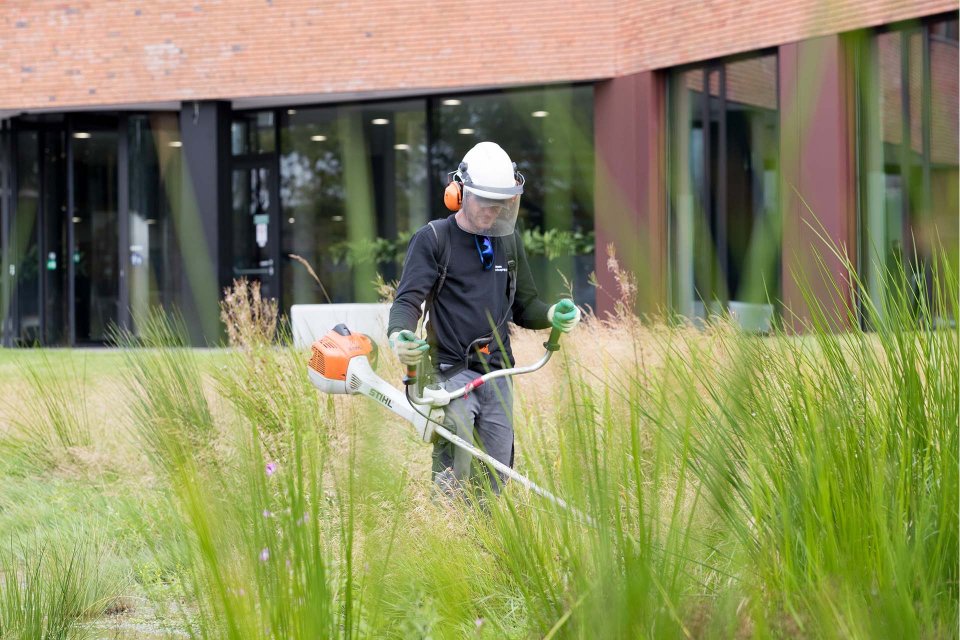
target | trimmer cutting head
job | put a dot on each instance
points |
(330, 358)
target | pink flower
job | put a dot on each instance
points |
(265, 554)
(267, 513)
(271, 468)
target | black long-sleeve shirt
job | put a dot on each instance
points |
(471, 300)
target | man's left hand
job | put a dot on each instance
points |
(564, 315)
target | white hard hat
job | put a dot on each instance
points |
(488, 172)
(485, 191)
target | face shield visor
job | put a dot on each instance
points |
(491, 211)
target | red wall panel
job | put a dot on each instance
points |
(629, 186)
(818, 178)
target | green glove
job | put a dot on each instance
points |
(408, 347)
(564, 315)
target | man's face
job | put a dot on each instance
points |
(483, 212)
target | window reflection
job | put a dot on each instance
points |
(725, 219)
(253, 241)
(54, 251)
(352, 187)
(252, 133)
(25, 247)
(909, 158)
(95, 232)
(5, 262)
(356, 180)
(153, 258)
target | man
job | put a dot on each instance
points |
(473, 274)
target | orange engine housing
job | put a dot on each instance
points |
(331, 354)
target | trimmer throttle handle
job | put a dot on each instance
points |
(411, 377)
(553, 342)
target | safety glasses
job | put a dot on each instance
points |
(485, 249)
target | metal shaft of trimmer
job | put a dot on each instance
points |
(510, 473)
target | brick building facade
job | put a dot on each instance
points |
(151, 152)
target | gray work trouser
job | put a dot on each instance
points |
(485, 419)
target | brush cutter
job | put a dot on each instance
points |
(339, 364)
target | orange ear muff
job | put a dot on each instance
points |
(453, 195)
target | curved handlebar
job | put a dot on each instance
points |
(441, 398)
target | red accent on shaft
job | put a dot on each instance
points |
(473, 384)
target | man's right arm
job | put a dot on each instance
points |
(419, 273)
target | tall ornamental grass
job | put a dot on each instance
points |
(46, 590)
(171, 415)
(739, 486)
(49, 428)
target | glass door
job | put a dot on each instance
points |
(54, 282)
(256, 230)
(38, 239)
(151, 251)
(95, 230)
(724, 165)
(6, 196)
(89, 234)
(25, 240)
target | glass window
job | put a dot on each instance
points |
(95, 231)
(252, 133)
(356, 180)
(548, 132)
(353, 185)
(5, 206)
(25, 240)
(253, 211)
(153, 272)
(38, 239)
(54, 249)
(909, 156)
(724, 204)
